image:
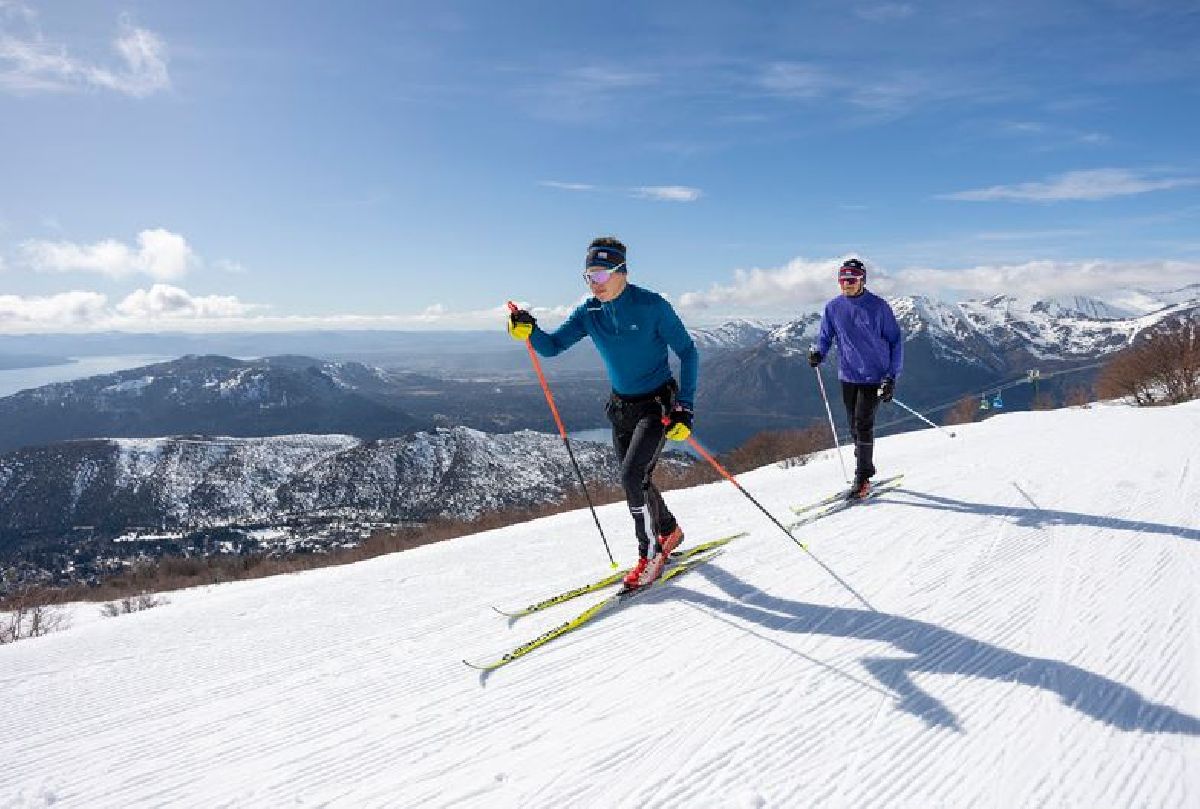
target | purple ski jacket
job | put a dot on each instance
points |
(870, 346)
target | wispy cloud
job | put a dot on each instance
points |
(1092, 184)
(659, 193)
(31, 63)
(586, 94)
(1060, 135)
(159, 254)
(884, 12)
(1030, 235)
(567, 186)
(798, 80)
(888, 94)
(668, 193)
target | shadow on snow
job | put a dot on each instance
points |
(934, 650)
(1037, 517)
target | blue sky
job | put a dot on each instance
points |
(227, 165)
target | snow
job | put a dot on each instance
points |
(1018, 628)
(129, 385)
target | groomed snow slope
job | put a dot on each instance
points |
(1025, 634)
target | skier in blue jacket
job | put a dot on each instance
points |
(632, 329)
(870, 357)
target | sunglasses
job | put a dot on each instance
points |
(849, 281)
(601, 276)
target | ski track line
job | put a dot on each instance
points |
(1048, 611)
(975, 581)
(818, 642)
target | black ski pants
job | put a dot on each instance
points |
(638, 437)
(862, 400)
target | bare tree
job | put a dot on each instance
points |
(1043, 401)
(964, 412)
(1077, 396)
(29, 615)
(1163, 368)
(129, 604)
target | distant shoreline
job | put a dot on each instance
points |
(18, 362)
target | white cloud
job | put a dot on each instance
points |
(804, 284)
(668, 193)
(228, 266)
(798, 80)
(895, 93)
(159, 254)
(165, 302)
(578, 95)
(1045, 278)
(67, 310)
(799, 283)
(159, 307)
(1092, 184)
(566, 186)
(168, 308)
(145, 64)
(885, 12)
(29, 63)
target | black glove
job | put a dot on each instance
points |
(679, 422)
(886, 389)
(520, 324)
(815, 357)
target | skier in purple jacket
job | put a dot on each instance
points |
(870, 356)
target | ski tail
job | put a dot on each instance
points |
(833, 498)
(833, 507)
(604, 605)
(679, 555)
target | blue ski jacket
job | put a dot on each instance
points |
(870, 345)
(632, 333)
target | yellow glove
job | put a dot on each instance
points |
(679, 422)
(520, 325)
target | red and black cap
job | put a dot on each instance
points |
(852, 268)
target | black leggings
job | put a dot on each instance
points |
(861, 403)
(638, 437)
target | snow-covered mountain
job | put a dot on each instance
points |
(731, 334)
(278, 396)
(212, 395)
(950, 349)
(1022, 638)
(190, 482)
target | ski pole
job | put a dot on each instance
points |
(832, 429)
(922, 418)
(726, 474)
(562, 431)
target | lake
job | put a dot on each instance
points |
(18, 379)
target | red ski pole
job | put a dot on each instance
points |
(562, 431)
